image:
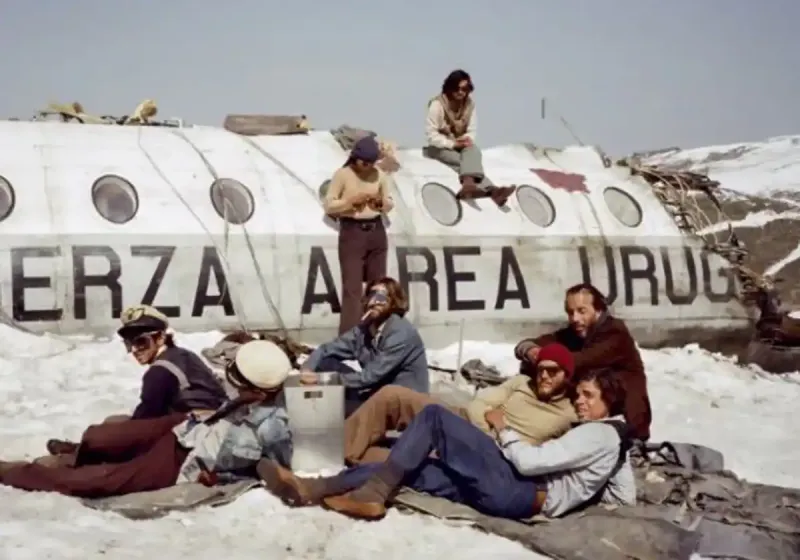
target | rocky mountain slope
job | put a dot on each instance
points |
(760, 184)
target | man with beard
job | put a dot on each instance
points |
(386, 345)
(444, 455)
(598, 341)
(534, 404)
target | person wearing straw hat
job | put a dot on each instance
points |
(162, 452)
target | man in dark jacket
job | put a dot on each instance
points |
(176, 381)
(598, 341)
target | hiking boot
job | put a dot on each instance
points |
(369, 501)
(61, 447)
(500, 195)
(291, 489)
(469, 189)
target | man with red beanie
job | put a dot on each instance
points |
(535, 405)
(598, 341)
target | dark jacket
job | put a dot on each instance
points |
(394, 357)
(608, 345)
(178, 381)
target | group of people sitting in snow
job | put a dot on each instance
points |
(548, 441)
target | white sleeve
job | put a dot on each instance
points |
(472, 127)
(576, 449)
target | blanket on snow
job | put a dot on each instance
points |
(688, 504)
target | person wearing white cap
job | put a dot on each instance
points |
(202, 448)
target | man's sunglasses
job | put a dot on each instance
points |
(550, 371)
(140, 342)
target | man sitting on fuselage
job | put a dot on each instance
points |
(598, 341)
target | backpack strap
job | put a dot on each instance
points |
(180, 375)
(625, 437)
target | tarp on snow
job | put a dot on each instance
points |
(687, 504)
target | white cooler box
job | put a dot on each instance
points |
(316, 419)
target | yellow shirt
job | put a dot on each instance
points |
(345, 183)
(534, 420)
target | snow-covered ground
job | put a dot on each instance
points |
(55, 387)
(752, 168)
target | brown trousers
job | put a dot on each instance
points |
(363, 250)
(392, 408)
(113, 459)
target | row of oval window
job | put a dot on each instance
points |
(117, 201)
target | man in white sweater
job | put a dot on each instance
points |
(451, 129)
(442, 454)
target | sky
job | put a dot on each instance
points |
(627, 75)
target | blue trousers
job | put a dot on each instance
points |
(469, 468)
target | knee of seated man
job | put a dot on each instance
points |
(393, 393)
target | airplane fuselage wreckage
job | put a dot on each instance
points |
(225, 230)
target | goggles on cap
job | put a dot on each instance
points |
(132, 314)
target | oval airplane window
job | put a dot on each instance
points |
(115, 199)
(232, 200)
(536, 205)
(623, 206)
(441, 203)
(8, 198)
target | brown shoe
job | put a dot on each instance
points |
(355, 508)
(290, 488)
(368, 501)
(500, 195)
(469, 189)
(61, 447)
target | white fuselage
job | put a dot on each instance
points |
(500, 276)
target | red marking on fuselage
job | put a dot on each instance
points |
(570, 182)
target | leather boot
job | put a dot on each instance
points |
(469, 189)
(369, 501)
(500, 195)
(293, 490)
(61, 447)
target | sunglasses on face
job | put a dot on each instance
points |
(139, 343)
(465, 89)
(549, 371)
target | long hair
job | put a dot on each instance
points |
(612, 389)
(598, 299)
(450, 84)
(398, 299)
